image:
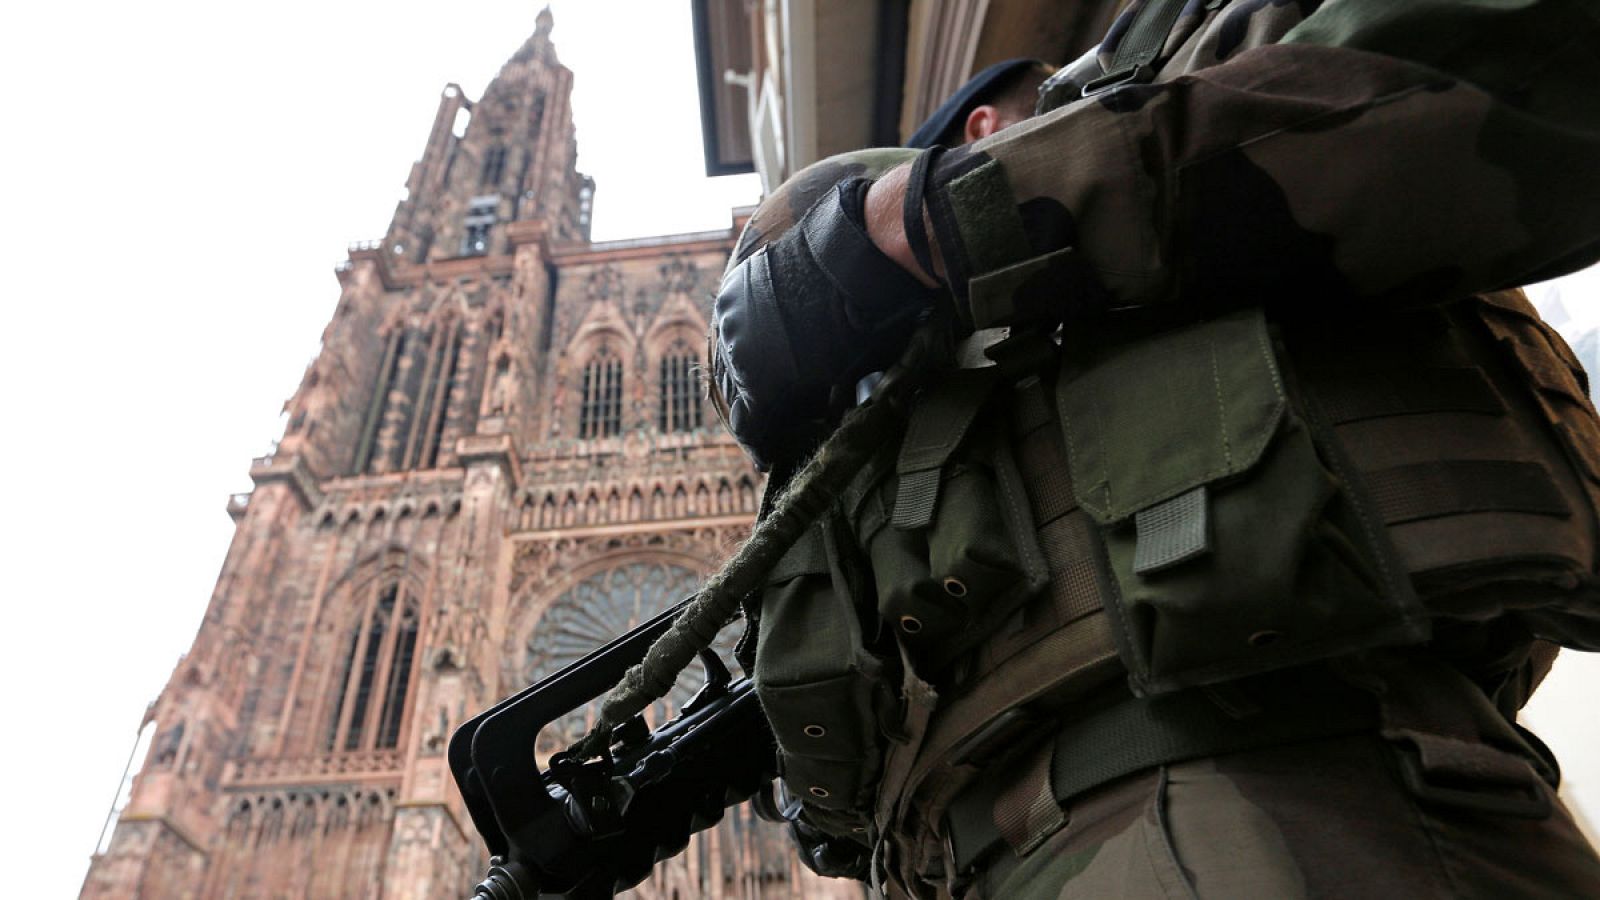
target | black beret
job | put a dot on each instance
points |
(972, 95)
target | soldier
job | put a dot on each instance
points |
(998, 97)
(1217, 555)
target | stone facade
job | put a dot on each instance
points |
(500, 457)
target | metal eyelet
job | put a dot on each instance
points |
(955, 587)
(814, 731)
(819, 791)
(910, 624)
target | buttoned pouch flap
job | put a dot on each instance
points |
(1233, 547)
(1153, 419)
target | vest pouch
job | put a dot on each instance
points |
(970, 549)
(1489, 485)
(920, 611)
(822, 690)
(950, 538)
(983, 546)
(1558, 384)
(1232, 547)
(1469, 427)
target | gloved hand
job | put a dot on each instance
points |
(801, 320)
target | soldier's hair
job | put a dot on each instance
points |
(1015, 94)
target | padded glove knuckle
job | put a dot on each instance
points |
(814, 309)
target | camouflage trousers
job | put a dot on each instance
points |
(1324, 818)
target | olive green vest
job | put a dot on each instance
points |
(1186, 508)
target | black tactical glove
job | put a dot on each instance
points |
(801, 320)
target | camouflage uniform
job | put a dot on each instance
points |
(1370, 149)
(1352, 156)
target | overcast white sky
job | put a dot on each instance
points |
(178, 180)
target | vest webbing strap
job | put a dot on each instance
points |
(1027, 812)
(1373, 395)
(1139, 734)
(1453, 487)
(1040, 455)
(1171, 532)
(1140, 45)
(938, 425)
(1551, 374)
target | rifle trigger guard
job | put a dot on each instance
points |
(769, 808)
(717, 680)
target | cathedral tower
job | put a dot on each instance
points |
(500, 458)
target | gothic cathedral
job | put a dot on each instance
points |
(500, 459)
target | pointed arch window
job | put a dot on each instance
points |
(601, 412)
(374, 679)
(536, 115)
(494, 165)
(389, 373)
(422, 399)
(446, 367)
(678, 407)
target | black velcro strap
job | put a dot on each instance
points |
(1454, 487)
(874, 286)
(1139, 734)
(912, 213)
(1373, 395)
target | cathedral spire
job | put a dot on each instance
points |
(537, 45)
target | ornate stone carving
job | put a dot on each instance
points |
(331, 766)
(679, 275)
(538, 562)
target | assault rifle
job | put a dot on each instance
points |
(588, 829)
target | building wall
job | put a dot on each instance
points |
(453, 509)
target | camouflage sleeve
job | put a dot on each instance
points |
(1380, 150)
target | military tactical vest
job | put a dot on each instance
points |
(1189, 507)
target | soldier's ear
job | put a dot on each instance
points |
(981, 122)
